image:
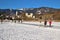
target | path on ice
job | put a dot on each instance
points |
(29, 31)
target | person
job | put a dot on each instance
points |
(50, 22)
(45, 22)
(2, 20)
(20, 20)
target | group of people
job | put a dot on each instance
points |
(50, 22)
(45, 21)
(15, 20)
(12, 19)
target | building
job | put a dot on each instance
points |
(29, 15)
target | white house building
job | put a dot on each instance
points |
(29, 15)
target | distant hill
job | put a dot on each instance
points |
(41, 10)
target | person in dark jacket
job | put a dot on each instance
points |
(45, 22)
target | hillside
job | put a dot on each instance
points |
(45, 11)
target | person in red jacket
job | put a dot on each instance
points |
(50, 22)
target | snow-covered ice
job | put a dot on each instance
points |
(29, 31)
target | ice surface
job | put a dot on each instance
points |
(29, 31)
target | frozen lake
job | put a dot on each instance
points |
(29, 31)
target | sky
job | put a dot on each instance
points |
(17, 4)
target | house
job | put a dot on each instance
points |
(29, 15)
